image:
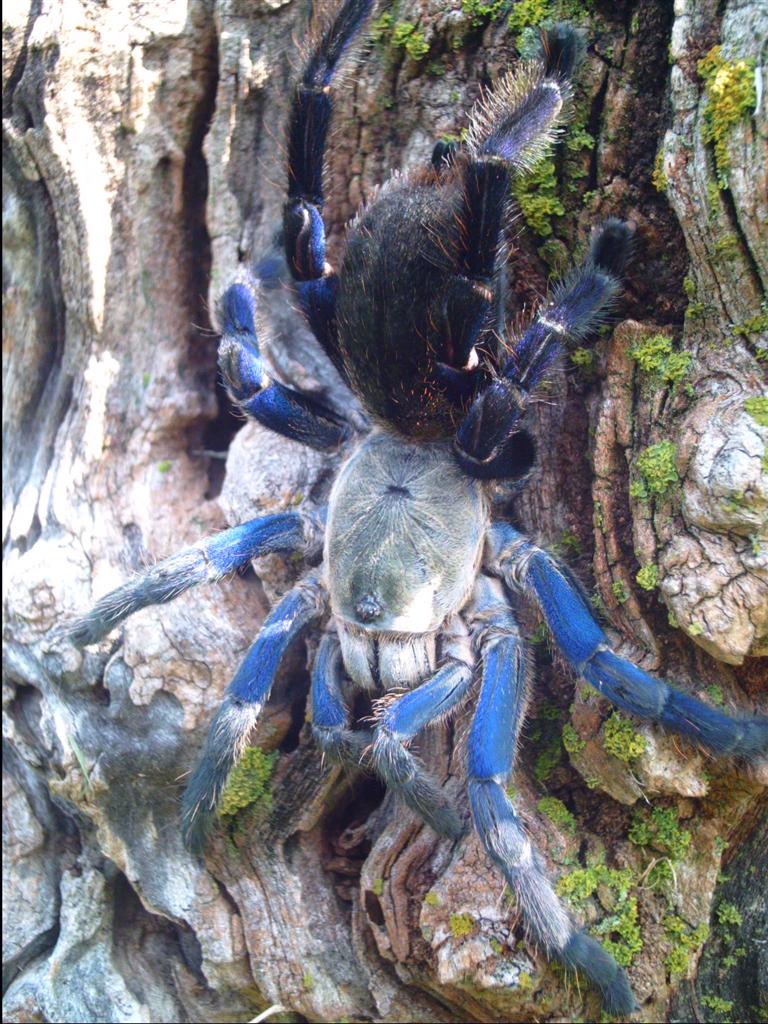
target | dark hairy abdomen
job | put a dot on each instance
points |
(391, 317)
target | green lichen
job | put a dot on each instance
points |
(568, 543)
(548, 759)
(406, 36)
(496, 946)
(716, 1004)
(536, 194)
(378, 886)
(659, 179)
(651, 353)
(545, 734)
(308, 981)
(757, 408)
(619, 591)
(684, 942)
(528, 14)
(648, 577)
(461, 925)
(620, 930)
(694, 309)
(727, 913)
(432, 899)
(658, 473)
(581, 883)
(727, 247)
(381, 28)
(621, 933)
(757, 324)
(572, 742)
(583, 358)
(661, 876)
(621, 739)
(164, 466)
(660, 829)
(555, 254)
(557, 812)
(655, 356)
(731, 96)
(249, 782)
(715, 694)
(482, 11)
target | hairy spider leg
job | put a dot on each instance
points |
(510, 128)
(205, 562)
(532, 571)
(576, 308)
(242, 704)
(303, 228)
(491, 752)
(489, 440)
(331, 720)
(407, 715)
(295, 415)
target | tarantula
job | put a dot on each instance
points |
(415, 573)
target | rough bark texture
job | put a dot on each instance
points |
(142, 168)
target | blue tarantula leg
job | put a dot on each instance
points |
(490, 442)
(205, 562)
(287, 412)
(242, 704)
(490, 757)
(568, 616)
(576, 308)
(330, 716)
(405, 716)
(303, 229)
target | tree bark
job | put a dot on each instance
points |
(143, 169)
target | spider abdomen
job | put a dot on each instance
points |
(403, 544)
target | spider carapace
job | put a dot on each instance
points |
(416, 573)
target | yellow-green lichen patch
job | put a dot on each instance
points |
(655, 356)
(684, 941)
(621, 739)
(715, 694)
(249, 782)
(757, 324)
(727, 247)
(378, 886)
(583, 359)
(557, 812)
(536, 194)
(728, 914)
(660, 829)
(461, 925)
(432, 899)
(528, 14)
(648, 577)
(619, 931)
(657, 469)
(406, 36)
(717, 1005)
(659, 179)
(619, 591)
(731, 96)
(482, 11)
(757, 408)
(572, 742)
